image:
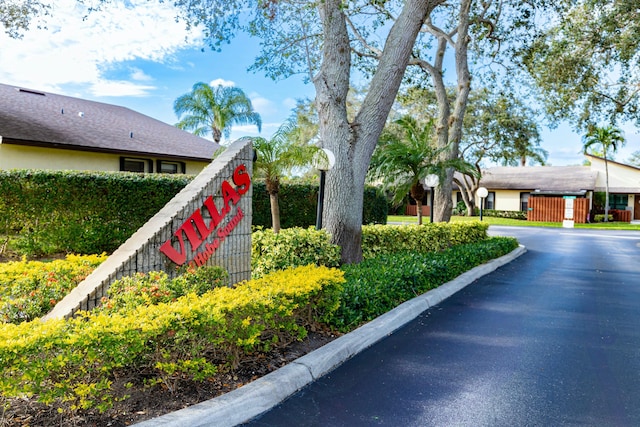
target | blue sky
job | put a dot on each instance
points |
(137, 56)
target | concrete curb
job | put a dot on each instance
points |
(251, 400)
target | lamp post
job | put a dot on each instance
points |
(323, 161)
(482, 193)
(431, 181)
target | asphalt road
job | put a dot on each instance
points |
(551, 339)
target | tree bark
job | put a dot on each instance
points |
(353, 143)
(273, 188)
(275, 212)
(449, 125)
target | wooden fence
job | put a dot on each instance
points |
(551, 209)
(620, 215)
(412, 210)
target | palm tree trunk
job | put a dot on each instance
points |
(275, 212)
(419, 211)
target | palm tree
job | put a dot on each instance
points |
(208, 110)
(276, 157)
(608, 138)
(403, 160)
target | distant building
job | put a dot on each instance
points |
(513, 189)
(510, 188)
(41, 130)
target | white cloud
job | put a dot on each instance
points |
(262, 105)
(289, 103)
(139, 75)
(119, 88)
(73, 50)
(222, 82)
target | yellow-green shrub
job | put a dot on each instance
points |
(29, 289)
(389, 239)
(71, 363)
(291, 247)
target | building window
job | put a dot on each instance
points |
(618, 201)
(171, 167)
(524, 202)
(490, 201)
(132, 164)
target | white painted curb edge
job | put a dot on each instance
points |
(251, 400)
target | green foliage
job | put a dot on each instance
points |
(30, 289)
(600, 218)
(384, 281)
(214, 110)
(79, 212)
(190, 328)
(291, 247)
(460, 209)
(94, 212)
(504, 214)
(585, 63)
(156, 287)
(432, 237)
(299, 204)
(72, 364)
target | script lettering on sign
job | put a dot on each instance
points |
(196, 230)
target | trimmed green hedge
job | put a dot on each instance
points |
(299, 203)
(379, 284)
(377, 240)
(79, 212)
(503, 214)
(296, 246)
(95, 212)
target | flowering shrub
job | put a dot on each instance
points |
(71, 364)
(30, 289)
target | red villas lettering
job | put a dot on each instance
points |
(197, 230)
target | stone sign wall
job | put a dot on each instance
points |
(207, 223)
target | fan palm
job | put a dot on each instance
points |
(208, 110)
(276, 157)
(608, 138)
(403, 160)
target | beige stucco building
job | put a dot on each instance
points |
(41, 130)
(509, 188)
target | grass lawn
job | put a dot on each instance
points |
(400, 219)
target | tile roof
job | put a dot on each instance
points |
(32, 117)
(543, 178)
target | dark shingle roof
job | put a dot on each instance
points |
(543, 178)
(33, 117)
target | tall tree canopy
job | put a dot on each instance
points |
(16, 16)
(498, 128)
(586, 64)
(208, 110)
(324, 40)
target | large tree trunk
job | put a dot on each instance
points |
(449, 125)
(353, 143)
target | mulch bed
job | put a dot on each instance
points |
(147, 403)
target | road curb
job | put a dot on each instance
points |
(259, 396)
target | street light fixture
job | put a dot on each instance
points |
(482, 193)
(323, 161)
(431, 181)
